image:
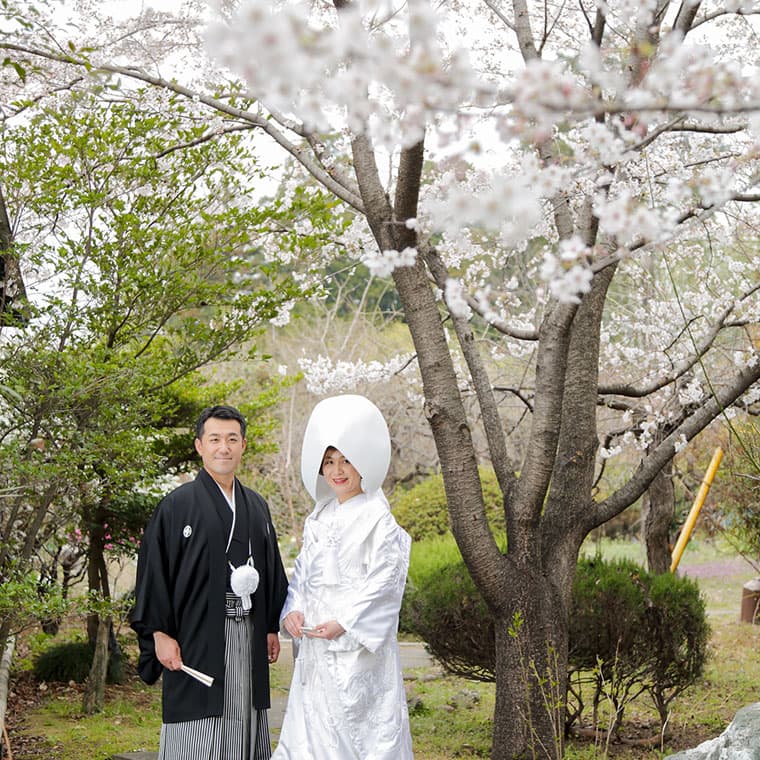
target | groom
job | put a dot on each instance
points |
(187, 614)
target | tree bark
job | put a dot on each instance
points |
(95, 688)
(12, 288)
(5, 676)
(531, 672)
(657, 517)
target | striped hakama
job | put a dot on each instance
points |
(241, 732)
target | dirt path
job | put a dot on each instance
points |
(722, 568)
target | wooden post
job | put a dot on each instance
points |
(691, 520)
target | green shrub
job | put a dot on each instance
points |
(423, 510)
(678, 630)
(630, 632)
(442, 606)
(607, 607)
(71, 661)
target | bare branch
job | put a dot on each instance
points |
(208, 137)
(317, 148)
(497, 11)
(723, 12)
(665, 451)
(709, 129)
(499, 324)
(515, 392)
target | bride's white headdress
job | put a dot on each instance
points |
(356, 427)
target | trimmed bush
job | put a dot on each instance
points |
(607, 607)
(630, 632)
(423, 510)
(678, 629)
(442, 606)
(71, 661)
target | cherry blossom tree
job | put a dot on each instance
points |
(567, 189)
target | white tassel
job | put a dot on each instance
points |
(244, 581)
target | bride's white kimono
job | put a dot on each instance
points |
(347, 698)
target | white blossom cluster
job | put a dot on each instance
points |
(382, 264)
(691, 75)
(680, 443)
(282, 317)
(691, 393)
(373, 64)
(324, 376)
(627, 220)
(456, 299)
(567, 275)
(509, 204)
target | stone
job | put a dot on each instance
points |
(740, 741)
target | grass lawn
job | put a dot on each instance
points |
(450, 717)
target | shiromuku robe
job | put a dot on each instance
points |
(347, 698)
(183, 571)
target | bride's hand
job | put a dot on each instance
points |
(332, 629)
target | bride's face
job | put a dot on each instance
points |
(341, 475)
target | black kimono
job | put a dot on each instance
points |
(182, 574)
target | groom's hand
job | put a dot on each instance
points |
(273, 646)
(167, 651)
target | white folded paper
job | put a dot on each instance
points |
(198, 676)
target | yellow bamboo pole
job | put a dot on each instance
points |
(691, 520)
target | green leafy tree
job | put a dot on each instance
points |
(737, 496)
(143, 249)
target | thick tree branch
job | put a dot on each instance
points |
(6, 234)
(685, 17)
(408, 186)
(497, 444)
(523, 31)
(523, 518)
(665, 451)
(443, 403)
(373, 196)
(575, 460)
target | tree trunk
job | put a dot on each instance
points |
(12, 288)
(5, 676)
(95, 688)
(97, 572)
(531, 673)
(659, 511)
